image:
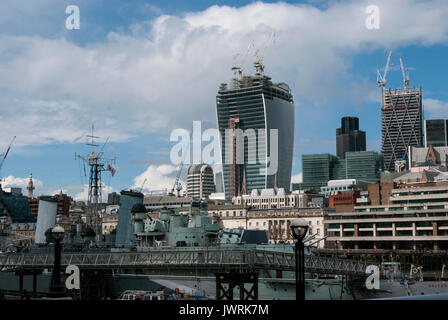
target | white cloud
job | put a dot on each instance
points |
(16, 182)
(435, 109)
(81, 193)
(157, 178)
(166, 71)
(297, 178)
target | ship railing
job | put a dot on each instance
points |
(253, 259)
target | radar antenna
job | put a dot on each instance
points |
(97, 165)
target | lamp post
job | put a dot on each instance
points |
(56, 288)
(299, 228)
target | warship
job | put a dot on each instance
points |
(172, 252)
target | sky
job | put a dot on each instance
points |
(138, 70)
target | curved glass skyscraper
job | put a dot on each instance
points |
(256, 123)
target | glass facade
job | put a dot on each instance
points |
(436, 133)
(255, 105)
(318, 169)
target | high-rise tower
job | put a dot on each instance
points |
(349, 137)
(200, 181)
(401, 124)
(436, 133)
(250, 150)
(401, 119)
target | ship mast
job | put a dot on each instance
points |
(97, 163)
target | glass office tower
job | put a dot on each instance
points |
(401, 124)
(436, 133)
(255, 106)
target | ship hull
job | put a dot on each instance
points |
(204, 287)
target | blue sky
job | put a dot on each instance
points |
(139, 69)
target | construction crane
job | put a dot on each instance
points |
(143, 184)
(6, 154)
(405, 74)
(238, 70)
(381, 79)
(259, 62)
(177, 185)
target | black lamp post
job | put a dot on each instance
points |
(299, 228)
(56, 288)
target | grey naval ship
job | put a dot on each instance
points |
(172, 253)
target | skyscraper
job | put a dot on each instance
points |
(200, 181)
(253, 106)
(436, 133)
(349, 137)
(401, 124)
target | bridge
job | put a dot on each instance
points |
(188, 259)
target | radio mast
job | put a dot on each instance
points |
(97, 165)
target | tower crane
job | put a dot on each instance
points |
(143, 184)
(405, 74)
(238, 70)
(6, 154)
(259, 63)
(381, 79)
(177, 185)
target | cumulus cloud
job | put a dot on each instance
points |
(17, 182)
(161, 73)
(158, 178)
(435, 109)
(81, 193)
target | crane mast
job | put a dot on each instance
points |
(259, 62)
(405, 74)
(5, 155)
(381, 79)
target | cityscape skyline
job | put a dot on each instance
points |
(142, 153)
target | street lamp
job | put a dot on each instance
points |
(56, 288)
(299, 228)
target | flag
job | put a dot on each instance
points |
(112, 170)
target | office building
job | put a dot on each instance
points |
(401, 124)
(415, 219)
(15, 205)
(275, 221)
(200, 182)
(407, 212)
(318, 169)
(436, 133)
(349, 137)
(253, 106)
(272, 199)
(344, 185)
